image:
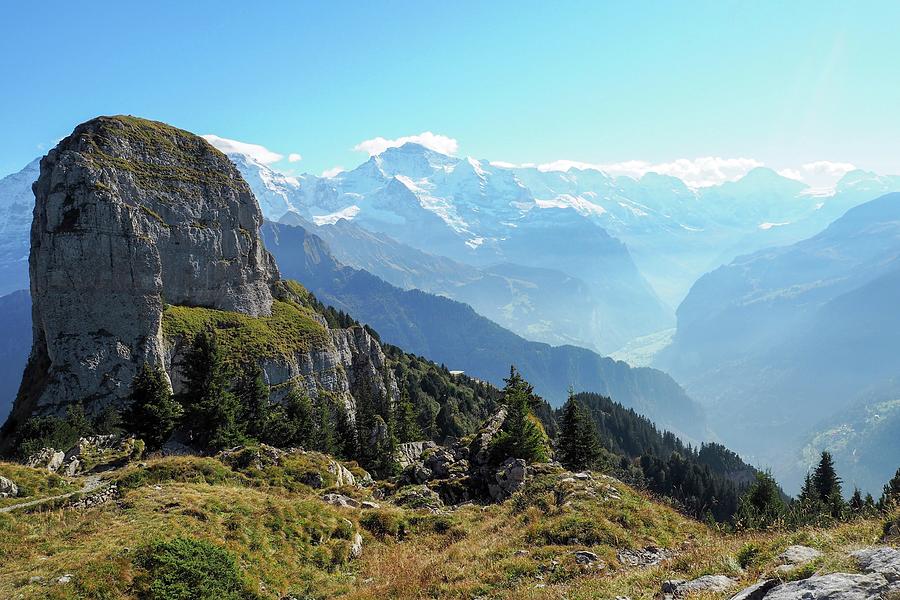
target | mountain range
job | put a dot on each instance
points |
(453, 334)
(813, 322)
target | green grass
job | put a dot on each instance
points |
(187, 151)
(180, 518)
(291, 329)
(33, 483)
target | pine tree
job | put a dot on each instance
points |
(253, 394)
(345, 434)
(891, 493)
(299, 411)
(520, 435)
(153, 414)
(212, 411)
(578, 446)
(407, 427)
(856, 505)
(827, 486)
(324, 434)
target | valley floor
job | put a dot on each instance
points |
(291, 531)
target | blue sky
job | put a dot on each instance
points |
(783, 84)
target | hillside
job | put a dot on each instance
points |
(810, 323)
(254, 530)
(453, 334)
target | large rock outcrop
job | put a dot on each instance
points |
(134, 217)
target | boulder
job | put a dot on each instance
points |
(479, 448)
(342, 474)
(410, 452)
(583, 557)
(757, 591)
(356, 548)
(836, 586)
(647, 557)
(8, 489)
(418, 496)
(798, 555)
(508, 479)
(46, 458)
(883, 560)
(71, 468)
(679, 588)
(341, 500)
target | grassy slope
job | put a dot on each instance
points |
(286, 540)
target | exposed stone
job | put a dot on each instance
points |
(313, 480)
(583, 557)
(411, 452)
(418, 496)
(508, 479)
(369, 504)
(678, 588)
(46, 458)
(356, 548)
(757, 591)
(797, 555)
(648, 557)
(130, 214)
(836, 586)
(8, 489)
(341, 500)
(883, 560)
(479, 448)
(342, 474)
(71, 468)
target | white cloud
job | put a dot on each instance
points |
(827, 167)
(254, 151)
(333, 171)
(294, 157)
(696, 172)
(432, 141)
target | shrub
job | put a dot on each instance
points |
(189, 569)
(384, 523)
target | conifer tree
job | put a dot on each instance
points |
(407, 426)
(253, 394)
(299, 411)
(891, 492)
(345, 434)
(579, 447)
(153, 413)
(856, 505)
(520, 436)
(761, 505)
(212, 411)
(827, 486)
(324, 433)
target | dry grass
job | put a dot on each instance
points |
(287, 541)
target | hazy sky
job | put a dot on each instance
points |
(779, 83)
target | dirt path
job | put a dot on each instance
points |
(91, 483)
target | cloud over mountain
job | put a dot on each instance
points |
(432, 141)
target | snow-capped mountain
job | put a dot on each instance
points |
(16, 207)
(627, 242)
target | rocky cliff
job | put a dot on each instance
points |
(134, 219)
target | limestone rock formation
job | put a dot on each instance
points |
(131, 214)
(135, 219)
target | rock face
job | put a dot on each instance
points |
(8, 489)
(133, 216)
(130, 214)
